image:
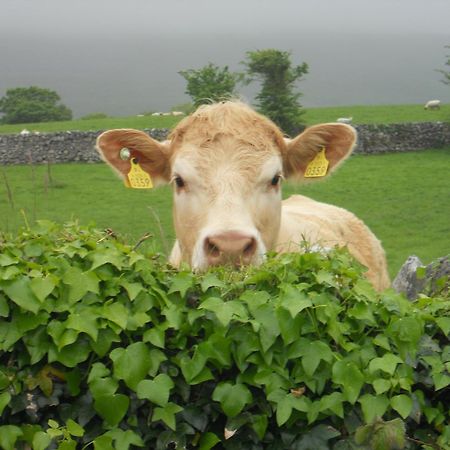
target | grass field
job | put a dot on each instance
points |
(404, 198)
(360, 114)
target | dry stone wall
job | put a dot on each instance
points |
(78, 146)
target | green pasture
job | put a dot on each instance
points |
(361, 115)
(404, 198)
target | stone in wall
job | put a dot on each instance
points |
(402, 137)
(61, 147)
(78, 146)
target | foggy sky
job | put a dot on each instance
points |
(122, 57)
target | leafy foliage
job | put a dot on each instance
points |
(277, 98)
(446, 73)
(32, 104)
(103, 347)
(210, 84)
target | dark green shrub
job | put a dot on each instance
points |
(31, 105)
(102, 347)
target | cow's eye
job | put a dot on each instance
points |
(179, 182)
(276, 180)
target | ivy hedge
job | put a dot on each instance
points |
(104, 347)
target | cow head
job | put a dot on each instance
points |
(226, 164)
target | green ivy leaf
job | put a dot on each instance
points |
(269, 329)
(284, 410)
(224, 310)
(259, 423)
(106, 256)
(124, 439)
(7, 260)
(42, 287)
(444, 324)
(8, 436)
(80, 283)
(74, 429)
(440, 380)
(5, 398)
(116, 313)
(133, 289)
(84, 322)
(156, 390)
(402, 404)
(293, 299)
(155, 336)
(4, 307)
(382, 341)
(103, 443)
(373, 406)
(70, 355)
(211, 280)
(41, 441)
(167, 414)
(333, 402)
(191, 367)
(19, 291)
(67, 445)
(317, 438)
(313, 353)
(381, 385)
(132, 364)
(103, 386)
(347, 374)
(208, 440)
(232, 398)
(181, 283)
(387, 363)
(112, 408)
(388, 435)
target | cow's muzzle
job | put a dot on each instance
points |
(230, 248)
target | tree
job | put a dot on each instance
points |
(32, 104)
(446, 74)
(210, 83)
(277, 98)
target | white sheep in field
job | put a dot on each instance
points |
(432, 104)
(347, 120)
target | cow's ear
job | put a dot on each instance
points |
(304, 154)
(152, 156)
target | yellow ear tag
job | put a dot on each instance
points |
(318, 166)
(138, 178)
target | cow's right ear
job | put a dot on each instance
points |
(152, 156)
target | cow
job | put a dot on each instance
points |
(226, 164)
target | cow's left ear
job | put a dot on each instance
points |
(305, 151)
(152, 156)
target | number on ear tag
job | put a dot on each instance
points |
(138, 178)
(318, 166)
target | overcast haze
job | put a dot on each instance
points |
(122, 57)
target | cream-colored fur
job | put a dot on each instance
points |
(227, 156)
(325, 226)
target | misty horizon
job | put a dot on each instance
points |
(107, 57)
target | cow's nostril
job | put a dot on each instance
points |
(250, 248)
(211, 249)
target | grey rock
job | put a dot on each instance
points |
(406, 280)
(435, 278)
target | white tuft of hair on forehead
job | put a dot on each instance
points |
(271, 167)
